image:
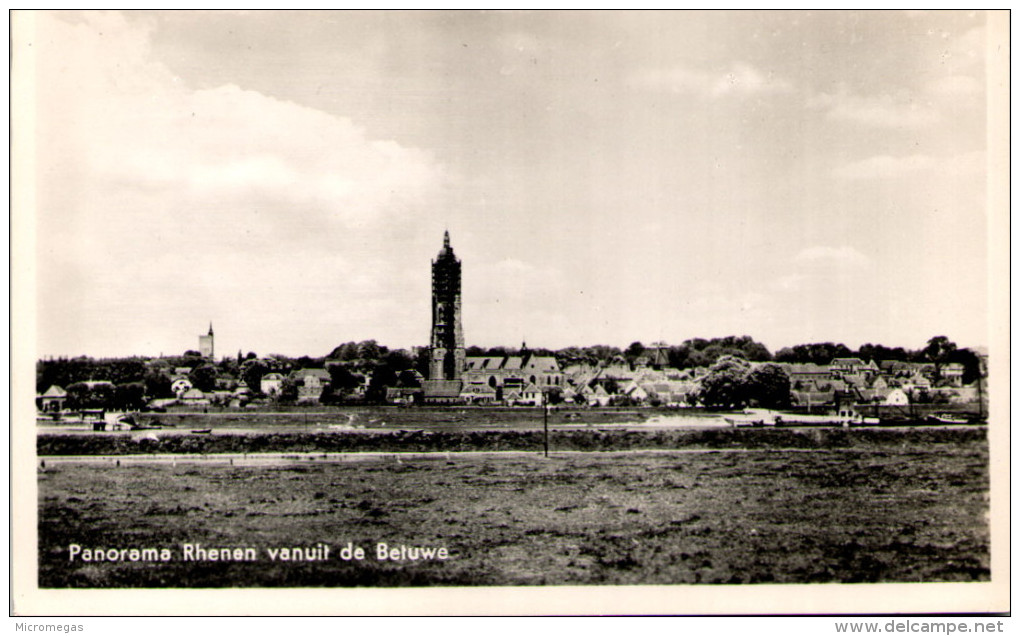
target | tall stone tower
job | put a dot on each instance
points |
(205, 345)
(446, 355)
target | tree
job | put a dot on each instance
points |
(817, 353)
(879, 353)
(937, 351)
(341, 382)
(305, 362)
(288, 391)
(769, 385)
(725, 384)
(128, 397)
(81, 396)
(203, 377)
(382, 377)
(971, 362)
(408, 378)
(635, 350)
(78, 396)
(252, 372)
(157, 384)
(399, 360)
(370, 350)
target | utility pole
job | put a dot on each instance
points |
(545, 426)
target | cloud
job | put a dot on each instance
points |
(966, 52)
(150, 185)
(740, 79)
(889, 167)
(955, 85)
(883, 111)
(842, 256)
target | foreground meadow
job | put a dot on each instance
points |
(908, 512)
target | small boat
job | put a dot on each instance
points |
(201, 431)
(948, 418)
(754, 417)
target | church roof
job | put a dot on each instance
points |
(542, 363)
(484, 363)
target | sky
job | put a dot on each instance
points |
(606, 177)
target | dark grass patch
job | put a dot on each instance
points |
(511, 440)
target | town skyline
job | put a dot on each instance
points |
(772, 175)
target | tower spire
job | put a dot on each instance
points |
(210, 328)
(446, 238)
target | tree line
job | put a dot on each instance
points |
(374, 367)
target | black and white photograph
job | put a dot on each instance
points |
(597, 312)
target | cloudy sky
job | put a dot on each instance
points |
(605, 177)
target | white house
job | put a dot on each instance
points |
(181, 386)
(897, 397)
(271, 384)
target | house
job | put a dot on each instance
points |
(181, 386)
(512, 396)
(194, 397)
(953, 373)
(569, 395)
(402, 394)
(619, 372)
(599, 397)
(442, 391)
(635, 392)
(221, 397)
(919, 382)
(53, 399)
(310, 384)
(478, 393)
(532, 395)
(897, 397)
(585, 395)
(813, 399)
(852, 367)
(271, 384)
(808, 372)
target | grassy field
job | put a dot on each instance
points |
(878, 511)
(497, 440)
(392, 417)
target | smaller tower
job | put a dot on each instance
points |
(205, 345)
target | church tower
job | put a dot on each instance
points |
(205, 345)
(446, 348)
